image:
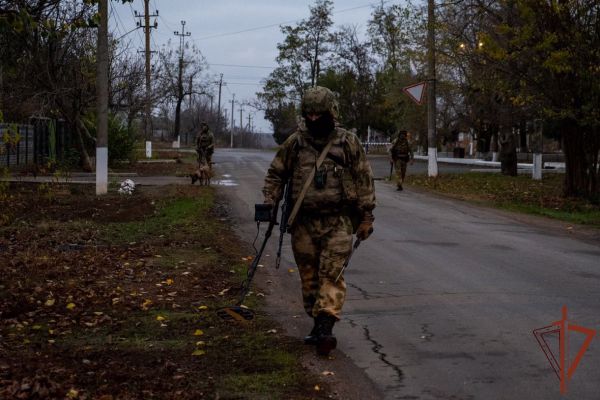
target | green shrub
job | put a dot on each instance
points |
(120, 139)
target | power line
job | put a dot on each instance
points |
(112, 14)
(243, 83)
(133, 15)
(217, 35)
(240, 66)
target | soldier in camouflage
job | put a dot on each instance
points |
(401, 154)
(338, 203)
(205, 145)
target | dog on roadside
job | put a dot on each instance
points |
(202, 175)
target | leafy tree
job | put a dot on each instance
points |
(547, 53)
(351, 76)
(299, 61)
(396, 36)
(390, 29)
(49, 63)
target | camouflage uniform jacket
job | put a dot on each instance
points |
(205, 141)
(348, 182)
(401, 149)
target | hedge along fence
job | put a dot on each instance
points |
(39, 142)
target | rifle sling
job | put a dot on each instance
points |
(307, 183)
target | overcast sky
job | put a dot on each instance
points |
(238, 38)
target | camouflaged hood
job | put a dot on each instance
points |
(320, 100)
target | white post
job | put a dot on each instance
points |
(148, 149)
(537, 167)
(177, 142)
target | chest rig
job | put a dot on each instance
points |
(333, 186)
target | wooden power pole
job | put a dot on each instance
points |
(148, 103)
(432, 169)
(102, 101)
(220, 82)
(180, 93)
(232, 122)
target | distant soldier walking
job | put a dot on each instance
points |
(332, 189)
(401, 154)
(205, 144)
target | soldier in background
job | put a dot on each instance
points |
(338, 201)
(401, 154)
(205, 144)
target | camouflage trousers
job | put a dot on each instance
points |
(400, 167)
(321, 244)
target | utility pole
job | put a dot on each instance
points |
(191, 86)
(190, 106)
(102, 101)
(232, 121)
(148, 107)
(180, 93)
(241, 143)
(432, 168)
(220, 82)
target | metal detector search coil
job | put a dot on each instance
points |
(238, 312)
(263, 212)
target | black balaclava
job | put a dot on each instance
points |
(322, 127)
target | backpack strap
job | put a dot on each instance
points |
(307, 183)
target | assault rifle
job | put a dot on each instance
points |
(285, 213)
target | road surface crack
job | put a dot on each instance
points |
(363, 292)
(377, 349)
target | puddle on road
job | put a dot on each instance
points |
(226, 182)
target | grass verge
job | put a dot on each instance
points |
(520, 193)
(115, 298)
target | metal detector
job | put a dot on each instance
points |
(356, 244)
(239, 312)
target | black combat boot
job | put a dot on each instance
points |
(325, 339)
(311, 338)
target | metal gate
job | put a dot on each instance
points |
(39, 142)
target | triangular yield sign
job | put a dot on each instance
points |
(416, 92)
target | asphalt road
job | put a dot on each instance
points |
(443, 298)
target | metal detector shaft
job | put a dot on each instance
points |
(285, 211)
(356, 244)
(254, 265)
